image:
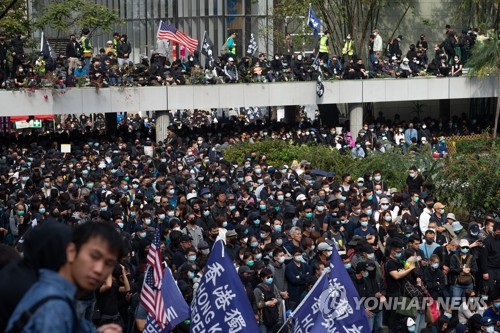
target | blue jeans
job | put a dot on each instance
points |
(85, 309)
(419, 322)
(458, 290)
(376, 321)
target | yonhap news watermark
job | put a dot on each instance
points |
(417, 303)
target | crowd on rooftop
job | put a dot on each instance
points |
(79, 66)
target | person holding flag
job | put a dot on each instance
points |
(221, 303)
(331, 305)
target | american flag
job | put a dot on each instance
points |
(151, 297)
(169, 32)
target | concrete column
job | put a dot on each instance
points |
(290, 114)
(355, 118)
(162, 123)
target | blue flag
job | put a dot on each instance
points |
(313, 21)
(176, 308)
(221, 303)
(304, 316)
(330, 306)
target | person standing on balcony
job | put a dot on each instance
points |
(230, 46)
(124, 49)
(86, 48)
(324, 47)
(73, 53)
(348, 49)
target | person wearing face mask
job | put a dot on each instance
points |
(193, 230)
(365, 230)
(462, 267)
(426, 214)
(366, 254)
(414, 181)
(296, 273)
(368, 288)
(384, 206)
(439, 216)
(488, 324)
(336, 233)
(248, 279)
(470, 306)
(493, 312)
(277, 267)
(324, 252)
(395, 274)
(434, 278)
(268, 301)
(429, 244)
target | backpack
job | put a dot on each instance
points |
(464, 278)
(25, 317)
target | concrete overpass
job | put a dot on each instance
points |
(353, 93)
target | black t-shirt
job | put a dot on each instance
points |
(393, 285)
(107, 302)
(414, 183)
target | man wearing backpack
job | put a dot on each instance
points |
(48, 306)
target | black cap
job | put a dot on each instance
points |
(361, 267)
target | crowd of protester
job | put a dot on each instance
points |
(112, 66)
(280, 223)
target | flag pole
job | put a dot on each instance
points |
(159, 26)
(283, 326)
(41, 43)
(201, 47)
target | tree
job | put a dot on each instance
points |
(15, 19)
(475, 13)
(66, 16)
(340, 17)
(484, 59)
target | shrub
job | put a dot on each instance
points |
(464, 182)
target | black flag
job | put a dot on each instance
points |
(252, 46)
(207, 47)
(320, 88)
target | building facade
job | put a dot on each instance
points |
(217, 17)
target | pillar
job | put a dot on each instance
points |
(329, 115)
(355, 118)
(290, 114)
(162, 123)
(111, 124)
(444, 108)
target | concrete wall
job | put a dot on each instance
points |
(85, 100)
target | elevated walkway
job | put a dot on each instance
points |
(80, 100)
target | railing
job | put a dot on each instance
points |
(80, 100)
(451, 141)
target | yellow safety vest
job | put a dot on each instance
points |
(86, 48)
(323, 47)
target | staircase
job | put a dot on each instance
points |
(58, 45)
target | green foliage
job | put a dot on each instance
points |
(340, 17)
(485, 56)
(278, 152)
(479, 146)
(470, 181)
(67, 16)
(15, 20)
(466, 181)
